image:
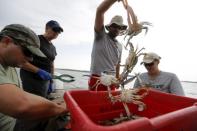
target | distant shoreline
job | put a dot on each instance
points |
(190, 81)
(89, 71)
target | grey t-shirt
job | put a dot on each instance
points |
(8, 75)
(165, 82)
(106, 53)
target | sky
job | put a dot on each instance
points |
(172, 36)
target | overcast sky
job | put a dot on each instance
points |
(173, 35)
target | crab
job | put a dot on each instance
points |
(130, 96)
(106, 80)
(135, 27)
(134, 30)
(131, 61)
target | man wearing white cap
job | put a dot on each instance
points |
(160, 80)
(106, 52)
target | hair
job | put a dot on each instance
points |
(46, 27)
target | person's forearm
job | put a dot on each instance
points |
(52, 69)
(105, 5)
(39, 107)
(20, 104)
(101, 9)
(29, 67)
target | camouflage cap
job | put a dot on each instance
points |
(24, 36)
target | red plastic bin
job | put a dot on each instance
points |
(164, 112)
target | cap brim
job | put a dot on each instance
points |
(146, 61)
(58, 29)
(123, 27)
(35, 51)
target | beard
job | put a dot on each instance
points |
(113, 34)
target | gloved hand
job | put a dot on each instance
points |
(51, 87)
(44, 74)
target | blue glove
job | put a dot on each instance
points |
(51, 87)
(44, 75)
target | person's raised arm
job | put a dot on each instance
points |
(101, 9)
(20, 104)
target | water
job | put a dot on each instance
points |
(81, 82)
(190, 88)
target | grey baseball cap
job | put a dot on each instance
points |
(24, 36)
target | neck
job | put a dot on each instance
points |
(155, 74)
(46, 37)
(111, 35)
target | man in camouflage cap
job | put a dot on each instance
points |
(24, 36)
(17, 44)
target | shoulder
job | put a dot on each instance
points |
(43, 40)
(143, 74)
(100, 34)
(40, 36)
(168, 74)
(3, 69)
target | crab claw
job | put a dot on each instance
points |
(146, 23)
(146, 29)
(130, 44)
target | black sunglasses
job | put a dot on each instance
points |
(149, 64)
(26, 51)
(116, 26)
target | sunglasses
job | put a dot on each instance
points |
(149, 64)
(26, 52)
(116, 26)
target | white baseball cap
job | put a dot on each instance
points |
(150, 57)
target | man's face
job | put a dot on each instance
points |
(51, 33)
(115, 30)
(14, 54)
(152, 67)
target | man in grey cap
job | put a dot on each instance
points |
(106, 52)
(17, 45)
(159, 80)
